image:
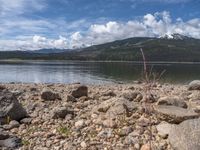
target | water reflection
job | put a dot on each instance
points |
(91, 72)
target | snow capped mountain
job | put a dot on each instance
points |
(174, 36)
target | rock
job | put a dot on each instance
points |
(173, 114)
(71, 98)
(121, 107)
(194, 85)
(109, 93)
(125, 131)
(79, 91)
(80, 124)
(4, 135)
(163, 129)
(104, 106)
(106, 133)
(10, 108)
(146, 147)
(83, 144)
(172, 100)
(144, 122)
(132, 95)
(2, 87)
(26, 121)
(49, 95)
(60, 112)
(185, 136)
(12, 142)
(11, 125)
(109, 123)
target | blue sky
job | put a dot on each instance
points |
(35, 24)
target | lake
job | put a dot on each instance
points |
(92, 72)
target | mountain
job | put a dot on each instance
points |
(175, 36)
(178, 48)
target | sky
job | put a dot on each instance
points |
(68, 24)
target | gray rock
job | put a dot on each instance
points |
(2, 87)
(185, 136)
(121, 107)
(4, 135)
(79, 91)
(105, 105)
(26, 121)
(11, 125)
(12, 142)
(163, 129)
(132, 95)
(48, 94)
(10, 108)
(125, 131)
(194, 85)
(109, 93)
(71, 98)
(80, 124)
(173, 114)
(60, 112)
(172, 100)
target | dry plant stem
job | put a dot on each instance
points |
(147, 90)
(144, 64)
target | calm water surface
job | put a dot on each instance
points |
(91, 72)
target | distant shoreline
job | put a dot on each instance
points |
(137, 62)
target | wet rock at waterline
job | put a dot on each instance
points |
(194, 85)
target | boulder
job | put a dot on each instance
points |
(185, 136)
(115, 107)
(194, 85)
(173, 114)
(79, 91)
(49, 95)
(10, 108)
(121, 107)
(172, 100)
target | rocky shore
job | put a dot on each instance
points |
(99, 117)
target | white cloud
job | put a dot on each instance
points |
(33, 43)
(18, 7)
(151, 25)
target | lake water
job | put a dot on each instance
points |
(91, 72)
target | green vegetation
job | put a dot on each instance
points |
(156, 49)
(63, 130)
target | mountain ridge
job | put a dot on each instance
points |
(179, 48)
